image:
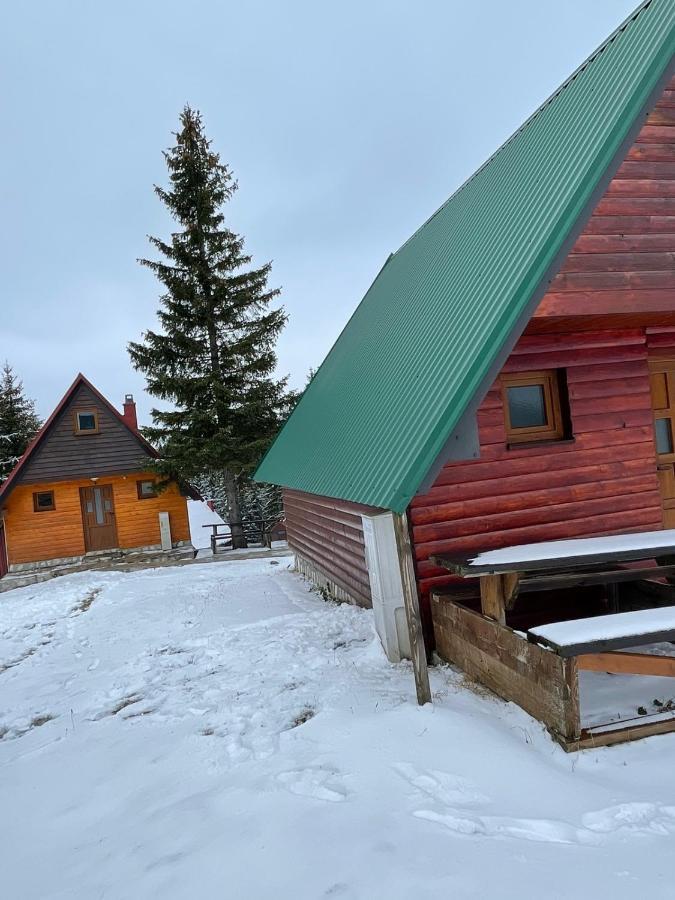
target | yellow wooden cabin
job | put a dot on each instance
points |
(84, 489)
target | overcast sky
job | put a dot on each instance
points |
(346, 125)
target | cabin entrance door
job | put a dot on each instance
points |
(662, 384)
(98, 517)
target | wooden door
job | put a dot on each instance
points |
(98, 517)
(662, 383)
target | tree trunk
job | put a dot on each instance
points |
(234, 512)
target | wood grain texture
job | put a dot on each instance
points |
(541, 682)
(602, 482)
(329, 533)
(32, 537)
(412, 609)
(623, 263)
(63, 454)
(619, 662)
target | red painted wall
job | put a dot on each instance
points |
(620, 275)
(329, 533)
(624, 260)
(603, 482)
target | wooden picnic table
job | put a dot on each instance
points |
(552, 565)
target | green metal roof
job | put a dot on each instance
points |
(431, 327)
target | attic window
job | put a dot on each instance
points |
(86, 421)
(535, 406)
(43, 501)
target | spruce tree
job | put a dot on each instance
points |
(213, 358)
(18, 420)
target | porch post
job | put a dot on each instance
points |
(412, 608)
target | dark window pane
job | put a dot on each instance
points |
(86, 421)
(146, 488)
(44, 500)
(664, 436)
(527, 406)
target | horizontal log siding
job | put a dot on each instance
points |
(64, 455)
(58, 533)
(329, 534)
(603, 482)
(624, 261)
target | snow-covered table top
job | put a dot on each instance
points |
(612, 632)
(565, 554)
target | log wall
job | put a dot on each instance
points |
(604, 481)
(328, 534)
(624, 261)
(58, 533)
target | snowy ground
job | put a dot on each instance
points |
(219, 731)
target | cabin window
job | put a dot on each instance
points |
(43, 501)
(86, 421)
(664, 436)
(146, 490)
(535, 406)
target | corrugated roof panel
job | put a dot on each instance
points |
(397, 381)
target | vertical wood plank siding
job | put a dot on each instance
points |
(624, 261)
(329, 534)
(603, 482)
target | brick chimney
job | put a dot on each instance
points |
(129, 414)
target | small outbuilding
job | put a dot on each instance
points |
(509, 377)
(84, 489)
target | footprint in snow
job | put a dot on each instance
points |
(318, 783)
(549, 831)
(635, 817)
(442, 786)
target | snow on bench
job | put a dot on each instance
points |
(619, 546)
(611, 632)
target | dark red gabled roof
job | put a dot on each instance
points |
(10, 481)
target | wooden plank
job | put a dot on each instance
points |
(622, 663)
(594, 482)
(590, 244)
(571, 707)
(625, 261)
(432, 506)
(502, 660)
(492, 598)
(625, 280)
(510, 586)
(641, 187)
(643, 494)
(412, 609)
(546, 582)
(590, 741)
(605, 302)
(462, 565)
(583, 648)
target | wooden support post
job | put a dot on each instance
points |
(492, 598)
(511, 585)
(571, 699)
(412, 608)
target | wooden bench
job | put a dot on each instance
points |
(256, 531)
(505, 574)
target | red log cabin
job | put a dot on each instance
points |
(509, 377)
(85, 488)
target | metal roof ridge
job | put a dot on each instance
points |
(542, 106)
